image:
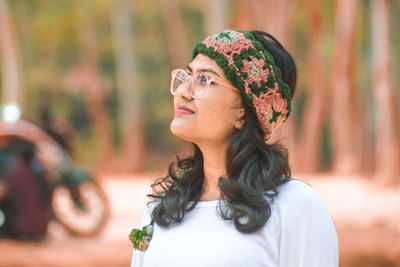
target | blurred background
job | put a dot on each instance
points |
(94, 75)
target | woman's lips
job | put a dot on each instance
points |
(182, 109)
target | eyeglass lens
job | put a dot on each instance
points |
(200, 81)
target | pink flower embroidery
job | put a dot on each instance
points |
(264, 111)
(247, 88)
(280, 104)
(265, 105)
(255, 69)
(229, 44)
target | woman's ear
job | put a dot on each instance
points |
(239, 119)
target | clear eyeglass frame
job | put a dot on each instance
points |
(200, 82)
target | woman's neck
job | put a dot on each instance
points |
(214, 168)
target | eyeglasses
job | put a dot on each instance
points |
(200, 82)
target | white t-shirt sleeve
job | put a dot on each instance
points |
(308, 237)
(137, 255)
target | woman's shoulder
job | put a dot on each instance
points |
(299, 195)
(303, 218)
(295, 188)
(150, 206)
(148, 210)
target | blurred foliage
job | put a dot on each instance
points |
(49, 34)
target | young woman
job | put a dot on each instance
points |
(234, 202)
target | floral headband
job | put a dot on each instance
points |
(251, 69)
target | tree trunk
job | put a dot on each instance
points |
(314, 112)
(258, 8)
(10, 75)
(243, 17)
(175, 33)
(129, 87)
(346, 122)
(216, 16)
(278, 20)
(87, 78)
(387, 150)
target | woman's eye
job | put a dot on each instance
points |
(201, 79)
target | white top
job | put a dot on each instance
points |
(299, 233)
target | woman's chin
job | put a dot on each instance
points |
(181, 130)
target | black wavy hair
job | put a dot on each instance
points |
(254, 168)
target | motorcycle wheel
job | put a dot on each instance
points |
(86, 218)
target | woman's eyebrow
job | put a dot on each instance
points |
(203, 70)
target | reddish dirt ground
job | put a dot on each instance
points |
(366, 215)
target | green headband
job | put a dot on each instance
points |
(251, 69)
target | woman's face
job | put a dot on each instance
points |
(215, 115)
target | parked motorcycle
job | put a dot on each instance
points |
(78, 202)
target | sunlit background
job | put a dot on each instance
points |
(102, 68)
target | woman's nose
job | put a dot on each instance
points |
(185, 90)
